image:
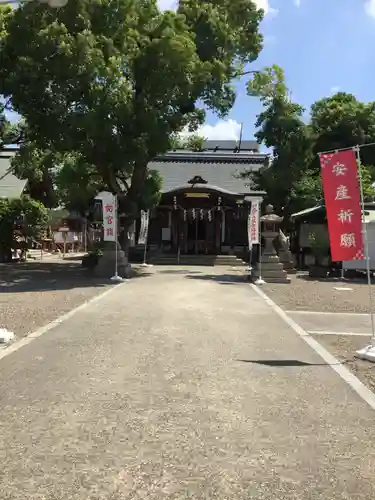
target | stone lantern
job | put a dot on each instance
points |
(270, 269)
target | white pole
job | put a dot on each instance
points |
(116, 237)
(250, 257)
(85, 237)
(260, 280)
(369, 351)
(116, 277)
(145, 252)
(147, 222)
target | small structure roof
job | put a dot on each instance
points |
(320, 210)
(10, 185)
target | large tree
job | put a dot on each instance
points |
(24, 213)
(282, 129)
(293, 181)
(113, 80)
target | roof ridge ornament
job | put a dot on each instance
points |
(197, 179)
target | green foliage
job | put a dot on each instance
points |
(280, 127)
(112, 82)
(342, 121)
(191, 143)
(368, 177)
(38, 167)
(268, 84)
(29, 214)
(77, 183)
(293, 181)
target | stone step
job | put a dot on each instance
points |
(197, 260)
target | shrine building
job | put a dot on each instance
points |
(205, 203)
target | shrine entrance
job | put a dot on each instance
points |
(198, 232)
(199, 219)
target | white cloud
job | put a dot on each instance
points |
(222, 130)
(265, 5)
(261, 4)
(370, 8)
(297, 3)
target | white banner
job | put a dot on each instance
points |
(143, 232)
(109, 218)
(253, 223)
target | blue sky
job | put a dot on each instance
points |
(323, 46)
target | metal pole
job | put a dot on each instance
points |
(367, 253)
(260, 280)
(116, 237)
(250, 257)
(116, 277)
(145, 251)
(196, 233)
(146, 222)
(85, 237)
(347, 148)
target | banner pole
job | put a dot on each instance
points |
(365, 352)
(250, 258)
(146, 224)
(116, 277)
(260, 280)
(347, 148)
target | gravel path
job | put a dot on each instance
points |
(34, 293)
(181, 385)
(344, 348)
(310, 295)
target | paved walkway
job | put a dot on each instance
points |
(180, 386)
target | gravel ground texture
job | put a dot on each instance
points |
(304, 294)
(344, 348)
(184, 385)
(32, 294)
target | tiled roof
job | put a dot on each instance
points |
(220, 172)
(231, 144)
(10, 185)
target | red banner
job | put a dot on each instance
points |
(343, 205)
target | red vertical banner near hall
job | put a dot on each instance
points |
(343, 204)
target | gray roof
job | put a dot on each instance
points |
(231, 145)
(10, 185)
(176, 172)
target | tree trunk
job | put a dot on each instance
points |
(124, 237)
(131, 203)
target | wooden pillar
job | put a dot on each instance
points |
(218, 220)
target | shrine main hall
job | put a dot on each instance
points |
(205, 202)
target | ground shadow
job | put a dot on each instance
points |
(285, 362)
(222, 279)
(45, 276)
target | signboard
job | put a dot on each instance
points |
(253, 223)
(343, 205)
(143, 232)
(109, 218)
